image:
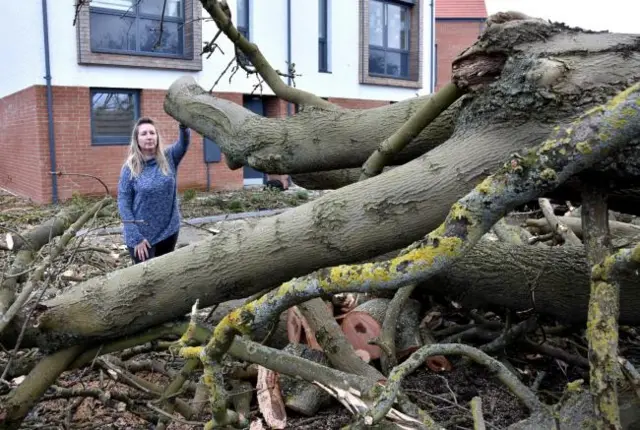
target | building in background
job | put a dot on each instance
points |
(458, 25)
(69, 94)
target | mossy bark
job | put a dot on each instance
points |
(568, 151)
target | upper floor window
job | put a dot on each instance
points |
(113, 115)
(389, 27)
(323, 29)
(151, 27)
(242, 20)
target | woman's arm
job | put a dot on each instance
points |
(179, 148)
(125, 208)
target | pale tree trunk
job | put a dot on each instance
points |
(314, 139)
(369, 218)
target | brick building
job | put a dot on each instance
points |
(78, 81)
(458, 25)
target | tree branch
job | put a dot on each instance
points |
(251, 50)
(567, 152)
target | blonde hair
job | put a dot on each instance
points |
(135, 159)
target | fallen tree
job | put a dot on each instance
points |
(524, 78)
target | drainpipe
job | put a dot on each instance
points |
(289, 49)
(47, 77)
(433, 44)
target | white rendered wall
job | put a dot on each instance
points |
(268, 28)
(22, 46)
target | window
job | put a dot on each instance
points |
(113, 115)
(142, 27)
(389, 39)
(323, 54)
(242, 20)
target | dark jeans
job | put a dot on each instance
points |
(163, 247)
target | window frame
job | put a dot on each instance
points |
(385, 36)
(323, 41)
(135, 13)
(112, 140)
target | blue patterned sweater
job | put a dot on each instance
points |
(151, 199)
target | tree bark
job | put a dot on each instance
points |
(553, 280)
(536, 90)
(560, 276)
(315, 139)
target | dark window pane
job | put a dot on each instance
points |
(154, 7)
(242, 19)
(397, 27)
(113, 32)
(397, 64)
(113, 114)
(170, 42)
(376, 23)
(119, 5)
(322, 18)
(376, 61)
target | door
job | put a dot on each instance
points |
(251, 175)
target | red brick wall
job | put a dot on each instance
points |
(24, 164)
(275, 107)
(358, 103)
(453, 37)
(24, 148)
(75, 154)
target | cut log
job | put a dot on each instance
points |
(408, 337)
(299, 395)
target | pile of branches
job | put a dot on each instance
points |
(353, 306)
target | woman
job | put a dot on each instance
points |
(147, 192)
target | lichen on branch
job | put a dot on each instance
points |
(568, 151)
(602, 332)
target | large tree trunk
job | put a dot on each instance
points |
(147, 295)
(314, 139)
(547, 74)
(552, 280)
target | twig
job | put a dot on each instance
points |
(25, 395)
(631, 373)
(253, 54)
(388, 393)
(395, 143)
(173, 417)
(476, 412)
(565, 232)
(387, 340)
(31, 284)
(106, 188)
